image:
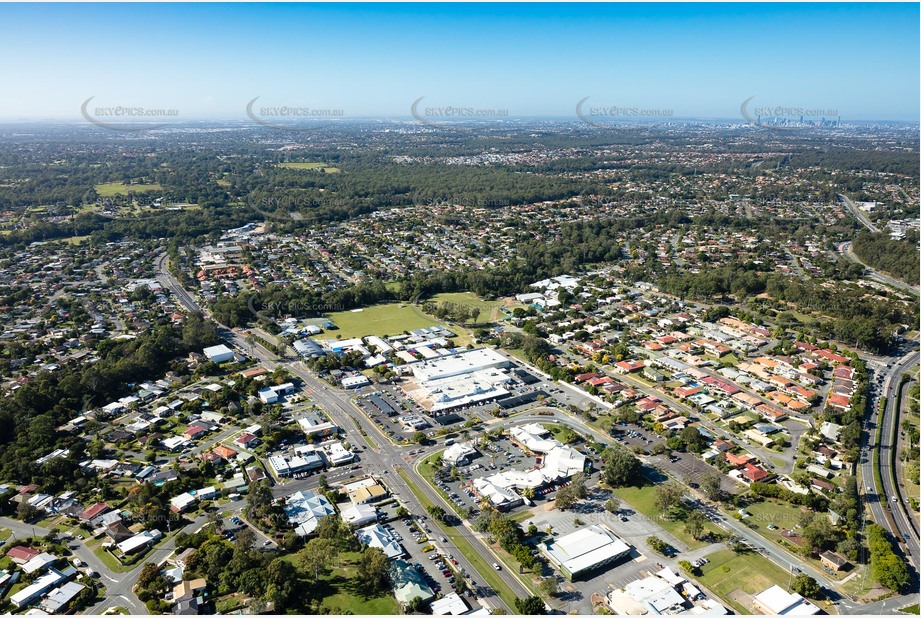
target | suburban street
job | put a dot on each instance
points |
(388, 458)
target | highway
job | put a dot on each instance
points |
(847, 251)
(891, 514)
(862, 218)
(388, 458)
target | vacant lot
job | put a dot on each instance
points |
(310, 166)
(642, 499)
(728, 572)
(341, 591)
(380, 320)
(110, 189)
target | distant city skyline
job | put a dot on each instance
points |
(618, 62)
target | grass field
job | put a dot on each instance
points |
(471, 300)
(110, 189)
(775, 512)
(911, 609)
(458, 537)
(752, 573)
(642, 500)
(309, 166)
(380, 320)
(341, 591)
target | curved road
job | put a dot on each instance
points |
(847, 251)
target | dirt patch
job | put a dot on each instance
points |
(743, 598)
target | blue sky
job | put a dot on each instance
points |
(209, 60)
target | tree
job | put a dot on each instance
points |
(687, 567)
(259, 498)
(806, 585)
(549, 586)
(620, 467)
(437, 513)
(694, 525)
(668, 495)
(577, 486)
(657, 544)
(819, 533)
(530, 606)
(317, 556)
(710, 485)
(374, 569)
(419, 437)
(415, 605)
(401, 511)
(612, 505)
(565, 498)
(246, 538)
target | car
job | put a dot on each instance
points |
(266, 542)
(496, 566)
(444, 540)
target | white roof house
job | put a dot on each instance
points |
(36, 589)
(38, 563)
(138, 541)
(60, 597)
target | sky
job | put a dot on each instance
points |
(208, 61)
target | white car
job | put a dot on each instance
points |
(496, 566)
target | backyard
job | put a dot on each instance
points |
(728, 574)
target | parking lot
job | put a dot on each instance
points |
(426, 553)
(500, 454)
(685, 466)
(633, 528)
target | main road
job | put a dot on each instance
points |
(888, 506)
(846, 249)
(387, 458)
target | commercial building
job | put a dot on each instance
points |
(584, 550)
(775, 601)
(378, 536)
(458, 364)
(408, 583)
(359, 514)
(356, 381)
(459, 454)
(305, 509)
(218, 354)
